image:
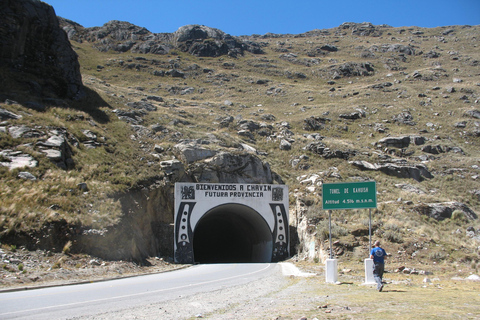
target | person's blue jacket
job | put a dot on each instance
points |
(378, 255)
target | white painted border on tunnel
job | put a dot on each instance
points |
(210, 195)
(194, 200)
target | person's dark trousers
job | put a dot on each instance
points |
(378, 274)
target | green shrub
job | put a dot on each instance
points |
(393, 236)
(458, 216)
(437, 256)
(323, 230)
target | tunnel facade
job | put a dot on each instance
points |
(218, 223)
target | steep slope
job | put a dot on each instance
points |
(353, 103)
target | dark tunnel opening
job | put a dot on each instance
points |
(232, 233)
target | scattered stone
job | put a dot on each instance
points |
(404, 118)
(82, 186)
(94, 262)
(329, 48)
(351, 116)
(225, 121)
(155, 98)
(314, 123)
(410, 188)
(322, 150)
(351, 69)
(142, 105)
(173, 168)
(248, 148)
(5, 115)
(473, 277)
(132, 117)
(246, 134)
(17, 159)
(27, 176)
(158, 148)
(24, 132)
(473, 113)
(158, 128)
(405, 50)
(433, 149)
(285, 145)
(90, 135)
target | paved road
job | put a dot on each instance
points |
(90, 299)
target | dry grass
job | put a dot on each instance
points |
(122, 162)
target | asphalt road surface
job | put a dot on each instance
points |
(69, 301)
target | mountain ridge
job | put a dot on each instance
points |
(306, 109)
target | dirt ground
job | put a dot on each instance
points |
(24, 269)
(302, 295)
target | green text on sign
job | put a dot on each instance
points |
(352, 195)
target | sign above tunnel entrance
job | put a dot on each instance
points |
(352, 195)
(263, 204)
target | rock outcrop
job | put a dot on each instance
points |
(445, 210)
(198, 40)
(417, 172)
(34, 47)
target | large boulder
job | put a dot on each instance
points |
(395, 142)
(362, 29)
(351, 69)
(314, 123)
(203, 41)
(321, 149)
(444, 210)
(417, 172)
(226, 167)
(400, 142)
(34, 46)
(192, 151)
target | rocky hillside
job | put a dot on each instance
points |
(88, 163)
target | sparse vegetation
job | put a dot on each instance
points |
(259, 85)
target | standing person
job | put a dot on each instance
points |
(378, 255)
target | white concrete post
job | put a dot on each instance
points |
(369, 279)
(331, 271)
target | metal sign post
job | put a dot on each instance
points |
(369, 230)
(353, 195)
(330, 232)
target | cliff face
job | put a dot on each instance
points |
(32, 44)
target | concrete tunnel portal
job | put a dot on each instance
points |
(232, 233)
(230, 223)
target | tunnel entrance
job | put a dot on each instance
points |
(232, 233)
(220, 222)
